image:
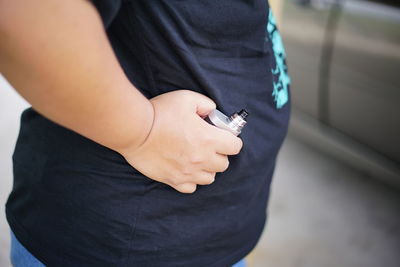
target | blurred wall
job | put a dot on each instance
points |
(11, 106)
(276, 6)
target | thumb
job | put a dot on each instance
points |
(204, 105)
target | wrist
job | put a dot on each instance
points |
(143, 121)
(149, 118)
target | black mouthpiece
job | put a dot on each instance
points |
(243, 113)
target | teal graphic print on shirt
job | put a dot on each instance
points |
(281, 79)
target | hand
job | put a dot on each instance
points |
(182, 149)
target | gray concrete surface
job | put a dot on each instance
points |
(322, 213)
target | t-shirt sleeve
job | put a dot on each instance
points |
(107, 9)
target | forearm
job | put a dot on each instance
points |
(57, 56)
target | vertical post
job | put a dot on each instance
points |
(326, 62)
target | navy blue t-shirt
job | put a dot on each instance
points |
(77, 203)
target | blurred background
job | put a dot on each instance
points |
(336, 192)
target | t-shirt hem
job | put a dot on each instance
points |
(31, 245)
(36, 249)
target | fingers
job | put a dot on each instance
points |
(225, 142)
(217, 163)
(204, 105)
(187, 188)
(205, 178)
(201, 177)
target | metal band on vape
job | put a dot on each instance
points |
(234, 123)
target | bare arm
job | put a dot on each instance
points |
(57, 56)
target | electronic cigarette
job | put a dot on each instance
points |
(233, 123)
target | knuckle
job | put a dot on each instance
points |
(209, 178)
(187, 189)
(238, 145)
(185, 170)
(195, 158)
(205, 138)
(175, 180)
(226, 165)
(212, 178)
